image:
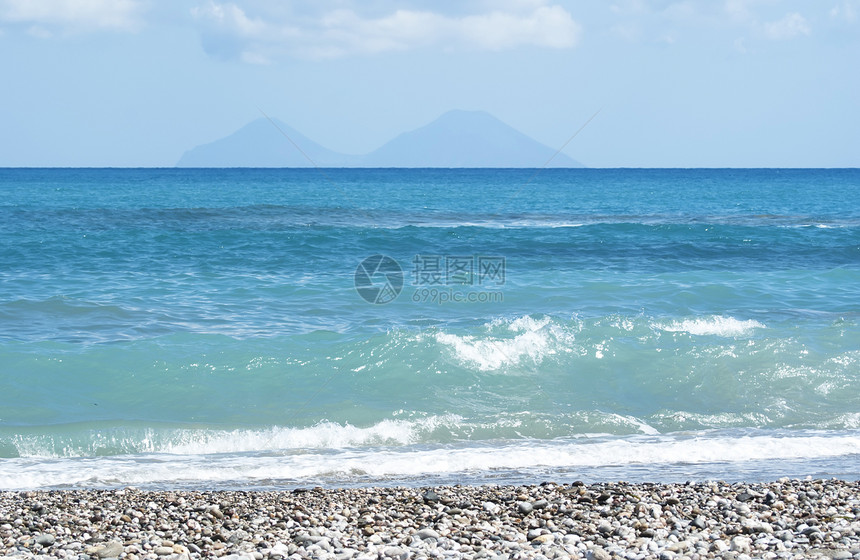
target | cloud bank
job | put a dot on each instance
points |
(45, 16)
(791, 26)
(232, 30)
(768, 20)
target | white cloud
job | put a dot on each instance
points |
(628, 31)
(738, 10)
(548, 26)
(71, 15)
(229, 30)
(844, 11)
(791, 26)
(629, 8)
(745, 25)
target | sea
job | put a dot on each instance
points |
(286, 328)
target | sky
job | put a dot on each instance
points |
(691, 83)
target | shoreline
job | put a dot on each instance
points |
(782, 519)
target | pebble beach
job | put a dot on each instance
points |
(784, 519)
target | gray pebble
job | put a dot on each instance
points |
(45, 539)
(525, 508)
(427, 534)
(430, 497)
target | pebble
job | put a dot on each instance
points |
(110, 550)
(491, 507)
(427, 534)
(783, 520)
(525, 508)
(45, 539)
(431, 497)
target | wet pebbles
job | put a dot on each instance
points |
(784, 519)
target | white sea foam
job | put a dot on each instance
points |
(717, 420)
(353, 465)
(850, 420)
(712, 325)
(846, 360)
(324, 435)
(636, 423)
(492, 224)
(535, 340)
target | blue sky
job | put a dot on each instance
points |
(694, 83)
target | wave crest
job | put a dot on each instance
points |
(716, 325)
(92, 442)
(533, 340)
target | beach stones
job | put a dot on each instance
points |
(430, 497)
(525, 508)
(818, 519)
(45, 539)
(491, 507)
(427, 534)
(110, 550)
(545, 538)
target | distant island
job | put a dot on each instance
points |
(455, 139)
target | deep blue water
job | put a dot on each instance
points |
(210, 328)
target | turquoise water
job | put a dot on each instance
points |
(203, 328)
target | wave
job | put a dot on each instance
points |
(530, 340)
(112, 439)
(403, 430)
(319, 214)
(731, 371)
(714, 325)
(107, 440)
(705, 453)
(533, 340)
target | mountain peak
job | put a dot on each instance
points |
(264, 142)
(462, 114)
(457, 138)
(461, 138)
